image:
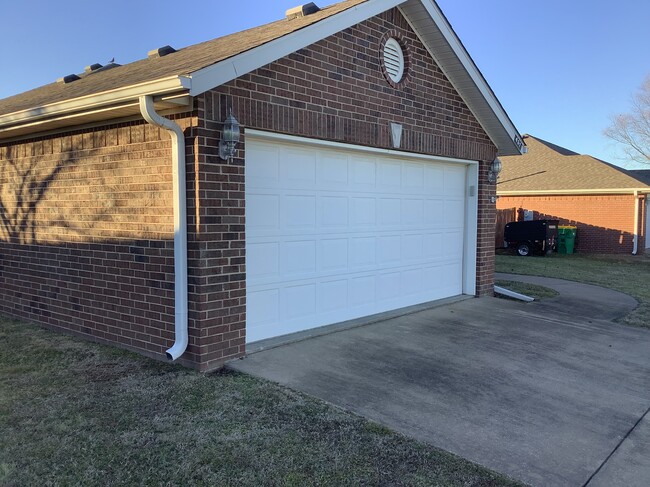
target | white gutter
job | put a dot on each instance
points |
(543, 192)
(180, 223)
(97, 100)
(635, 247)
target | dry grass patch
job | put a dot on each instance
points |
(76, 413)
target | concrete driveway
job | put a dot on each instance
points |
(550, 393)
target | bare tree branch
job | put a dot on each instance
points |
(632, 130)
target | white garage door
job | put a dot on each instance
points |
(334, 234)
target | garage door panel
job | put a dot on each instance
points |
(334, 212)
(334, 254)
(362, 252)
(389, 249)
(262, 213)
(389, 212)
(364, 212)
(454, 213)
(298, 212)
(298, 169)
(434, 213)
(363, 174)
(414, 178)
(389, 177)
(298, 301)
(412, 248)
(298, 259)
(413, 213)
(263, 260)
(335, 235)
(332, 172)
(454, 181)
(264, 169)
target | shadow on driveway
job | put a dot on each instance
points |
(548, 393)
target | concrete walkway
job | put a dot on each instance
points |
(550, 392)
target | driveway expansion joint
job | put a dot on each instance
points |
(611, 454)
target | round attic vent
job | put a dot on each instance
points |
(394, 60)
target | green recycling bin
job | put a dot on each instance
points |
(566, 239)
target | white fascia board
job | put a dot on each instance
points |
(219, 73)
(93, 102)
(462, 56)
(559, 192)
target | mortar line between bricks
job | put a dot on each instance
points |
(616, 448)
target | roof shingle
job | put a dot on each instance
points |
(182, 62)
(548, 167)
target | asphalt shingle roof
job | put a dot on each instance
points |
(548, 167)
(182, 62)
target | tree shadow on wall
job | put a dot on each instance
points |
(25, 181)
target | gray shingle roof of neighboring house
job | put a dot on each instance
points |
(182, 62)
(643, 174)
(551, 168)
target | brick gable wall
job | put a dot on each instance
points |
(96, 255)
(605, 222)
(333, 90)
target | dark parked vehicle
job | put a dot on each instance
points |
(531, 236)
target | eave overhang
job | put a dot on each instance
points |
(424, 16)
(168, 93)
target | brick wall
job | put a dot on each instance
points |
(605, 222)
(86, 237)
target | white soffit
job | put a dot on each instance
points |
(445, 47)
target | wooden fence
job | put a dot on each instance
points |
(503, 216)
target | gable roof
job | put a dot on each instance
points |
(550, 169)
(173, 78)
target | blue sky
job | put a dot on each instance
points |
(560, 68)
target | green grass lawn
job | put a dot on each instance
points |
(77, 413)
(626, 273)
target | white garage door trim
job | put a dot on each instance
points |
(261, 263)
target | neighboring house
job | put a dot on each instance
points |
(359, 184)
(607, 203)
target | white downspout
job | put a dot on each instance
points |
(180, 222)
(635, 247)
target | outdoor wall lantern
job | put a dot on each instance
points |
(229, 137)
(493, 172)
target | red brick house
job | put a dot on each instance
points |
(607, 203)
(359, 184)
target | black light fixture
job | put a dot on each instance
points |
(229, 137)
(493, 172)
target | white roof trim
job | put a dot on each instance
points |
(585, 192)
(424, 16)
(217, 74)
(97, 100)
(473, 88)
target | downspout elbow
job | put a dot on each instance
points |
(180, 223)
